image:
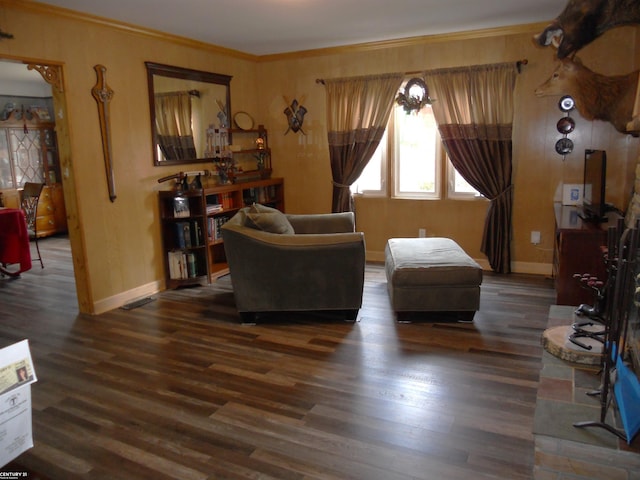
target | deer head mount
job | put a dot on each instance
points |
(597, 97)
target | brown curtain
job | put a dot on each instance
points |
(173, 124)
(358, 109)
(474, 110)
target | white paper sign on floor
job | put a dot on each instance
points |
(16, 376)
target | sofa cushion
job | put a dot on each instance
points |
(267, 219)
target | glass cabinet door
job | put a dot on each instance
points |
(6, 174)
(27, 155)
(50, 147)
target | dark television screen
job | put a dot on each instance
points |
(595, 177)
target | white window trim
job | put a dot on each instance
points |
(395, 180)
(435, 195)
(451, 186)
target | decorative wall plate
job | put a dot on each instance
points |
(566, 125)
(243, 121)
(566, 103)
(564, 146)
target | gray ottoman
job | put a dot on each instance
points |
(432, 275)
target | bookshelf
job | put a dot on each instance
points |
(182, 217)
(192, 243)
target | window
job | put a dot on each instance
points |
(372, 181)
(458, 187)
(411, 155)
(417, 146)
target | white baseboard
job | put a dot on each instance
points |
(123, 298)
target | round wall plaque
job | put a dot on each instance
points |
(564, 146)
(566, 103)
(566, 125)
(243, 120)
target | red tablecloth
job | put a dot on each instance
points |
(14, 238)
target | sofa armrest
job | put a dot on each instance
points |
(322, 222)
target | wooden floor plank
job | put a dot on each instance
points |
(179, 388)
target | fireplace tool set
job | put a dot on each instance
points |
(610, 314)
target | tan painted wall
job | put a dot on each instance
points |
(538, 169)
(120, 241)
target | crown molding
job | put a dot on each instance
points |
(531, 28)
(37, 7)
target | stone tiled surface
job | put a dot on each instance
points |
(563, 388)
(555, 389)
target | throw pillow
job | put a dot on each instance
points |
(268, 219)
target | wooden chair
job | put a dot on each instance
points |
(29, 204)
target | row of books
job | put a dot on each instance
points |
(221, 201)
(188, 234)
(214, 227)
(182, 265)
(259, 194)
(214, 208)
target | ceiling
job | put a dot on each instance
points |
(263, 27)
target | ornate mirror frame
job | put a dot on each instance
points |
(210, 103)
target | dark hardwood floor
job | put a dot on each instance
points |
(179, 389)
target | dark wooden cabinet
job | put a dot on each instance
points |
(578, 250)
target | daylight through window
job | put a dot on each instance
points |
(411, 159)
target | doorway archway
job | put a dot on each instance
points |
(53, 74)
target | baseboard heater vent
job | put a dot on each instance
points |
(137, 303)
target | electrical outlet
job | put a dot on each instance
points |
(535, 237)
(422, 233)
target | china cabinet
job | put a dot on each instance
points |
(29, 153)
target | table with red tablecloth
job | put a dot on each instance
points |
(14, 241)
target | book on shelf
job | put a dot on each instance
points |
(182, 265)
(188, 234)
(214, 208)
(177, 265)
(184, 235)
(227, 200)
(192, 270)
(214, 227)
(196, 234)
(181, 207)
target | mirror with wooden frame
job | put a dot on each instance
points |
(184, 103)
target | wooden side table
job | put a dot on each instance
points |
(578, 250)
